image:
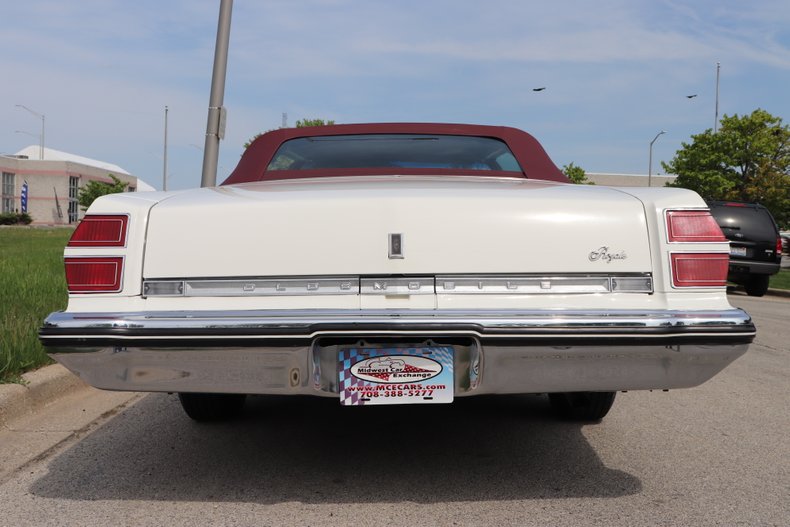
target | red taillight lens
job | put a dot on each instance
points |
(693, 226)
(699, 269)
(94, 275)
(99, 230)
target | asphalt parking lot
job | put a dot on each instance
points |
(713, 455)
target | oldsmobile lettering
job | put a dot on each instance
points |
(604, 255)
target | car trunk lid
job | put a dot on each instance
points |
(435, 226)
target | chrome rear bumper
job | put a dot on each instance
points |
(295, 352)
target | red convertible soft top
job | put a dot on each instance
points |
(530, 155)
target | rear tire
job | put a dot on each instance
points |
(756, 285)
(582, 406)
(212, 406)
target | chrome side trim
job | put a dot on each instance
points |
(466, 285)
(399, 285)
(344, 285)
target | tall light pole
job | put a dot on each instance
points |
(716, 118)
(650, 161)
(164, 168)
(215, 126)
(43, 119)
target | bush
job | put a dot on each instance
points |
(15, 218)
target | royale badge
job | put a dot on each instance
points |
(605, 255)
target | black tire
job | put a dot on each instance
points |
(212, 406)
(582, 406)
(756, 285)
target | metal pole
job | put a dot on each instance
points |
(216, 113)
(650, 158)
(164, 168)
(716, 119)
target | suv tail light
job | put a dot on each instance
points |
(699, 269)
(779, 247)
(100, 230)
(94, 274)
(693, 226)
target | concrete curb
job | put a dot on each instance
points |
(779, 292)
(43, 386)
(738, 290)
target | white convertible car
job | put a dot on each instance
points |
(397, 264)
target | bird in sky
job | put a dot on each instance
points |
(539, 89)
(691, 96)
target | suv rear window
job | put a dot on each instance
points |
(395, 150)
(753, 222)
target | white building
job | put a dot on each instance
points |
(53, 183)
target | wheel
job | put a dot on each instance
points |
(582, 406)
(757, 285)
(212, 406)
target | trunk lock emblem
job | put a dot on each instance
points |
(395, 246)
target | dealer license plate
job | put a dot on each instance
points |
(418, 375)
(738, 251)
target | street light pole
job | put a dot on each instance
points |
(164, 169)
(716, 118)
(215, 126)
(650, 161)
(43, 127)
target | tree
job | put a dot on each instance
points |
(301, 123)
(94, 189)
(576, 174)
(748, 159)
(304, 123)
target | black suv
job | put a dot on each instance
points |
(755, 245)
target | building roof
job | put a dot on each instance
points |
(142, 186)
(33, 152)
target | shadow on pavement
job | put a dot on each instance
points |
(312, 450)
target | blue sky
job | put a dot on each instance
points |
(615, 72)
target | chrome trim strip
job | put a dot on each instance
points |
(400, 285)
(343, 285)
(313, 323)
(466, 285)
(417, 285)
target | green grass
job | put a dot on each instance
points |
(32, 285)
(781, 280)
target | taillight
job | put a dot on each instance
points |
(693, 226)
(100, 230)
(699, 269)
(94, 274)
(779, 246)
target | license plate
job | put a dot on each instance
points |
(738, 251)
(418, 375)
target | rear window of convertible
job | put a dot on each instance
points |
(394, 150)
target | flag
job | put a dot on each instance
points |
(23, 197)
